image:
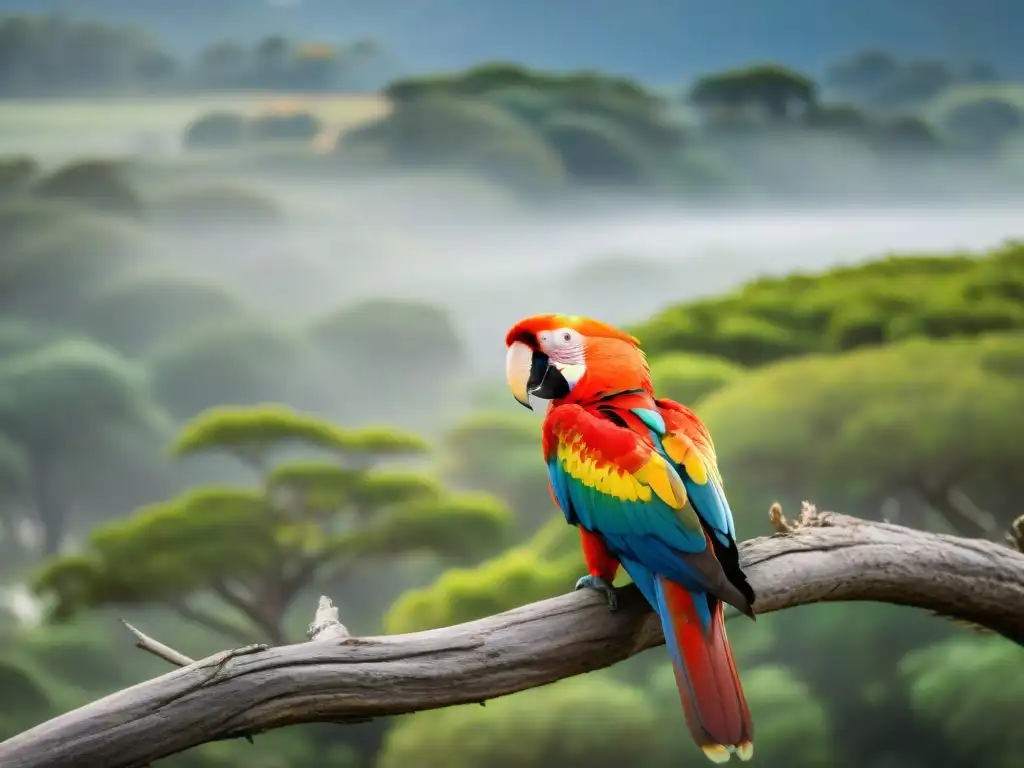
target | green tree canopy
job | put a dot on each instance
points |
(133, 313)
(95, 184)
(862, 74)
(255, 549)
(216, 205)
(589, 126)
(848, 307)
(54, 251)
(915, 83)
(984, 123)
(397, 356)
(216, 130)
(500, 453)
(61, 402)
(773, 89)
(546, 727)
(17, 172)
(922, 440)
(237, 360)
(545, 565)
(596, 150)
(686, 378)
(968, 688)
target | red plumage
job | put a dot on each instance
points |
(709, 685)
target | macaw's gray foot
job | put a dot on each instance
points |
(602, 586)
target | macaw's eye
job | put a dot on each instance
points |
(566, 337)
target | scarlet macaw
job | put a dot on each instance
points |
(639, 478)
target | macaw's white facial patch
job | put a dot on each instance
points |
(563, 345)
(570, 372)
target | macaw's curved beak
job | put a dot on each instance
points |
(529, 372)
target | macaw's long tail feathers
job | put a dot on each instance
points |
(709, 686)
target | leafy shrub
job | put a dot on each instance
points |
(298, 126)
(132, 314)
(442, 129)
(983, 123)
(55, 252)
(95, 183)
(16, 173)
(400, 352)
(230, 362)
(849, 307)
(220, 204)
(596, 151)
(546, 727)
(687, 378)
(216, 130)
(968, 688)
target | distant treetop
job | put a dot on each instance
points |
(848, 307)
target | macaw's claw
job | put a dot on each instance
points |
(602, 586)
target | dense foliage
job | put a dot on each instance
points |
(907, 368)
(299, 458)
(727, 131)
(875, 303)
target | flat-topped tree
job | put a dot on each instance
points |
(323, 504)
(773, 90)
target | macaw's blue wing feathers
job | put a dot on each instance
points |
(688, 445)
(651, 418)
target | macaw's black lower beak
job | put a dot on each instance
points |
(546, 381)
(530, 372)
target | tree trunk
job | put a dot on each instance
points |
(50, 512)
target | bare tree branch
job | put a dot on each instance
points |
(821, 557)
(158, 649)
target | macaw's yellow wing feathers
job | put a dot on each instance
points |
(663, 480)
(682, 451)
(600, 476)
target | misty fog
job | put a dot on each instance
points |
(491, 259)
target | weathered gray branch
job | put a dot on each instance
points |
(823, 557)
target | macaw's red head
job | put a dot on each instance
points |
(554, 357)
